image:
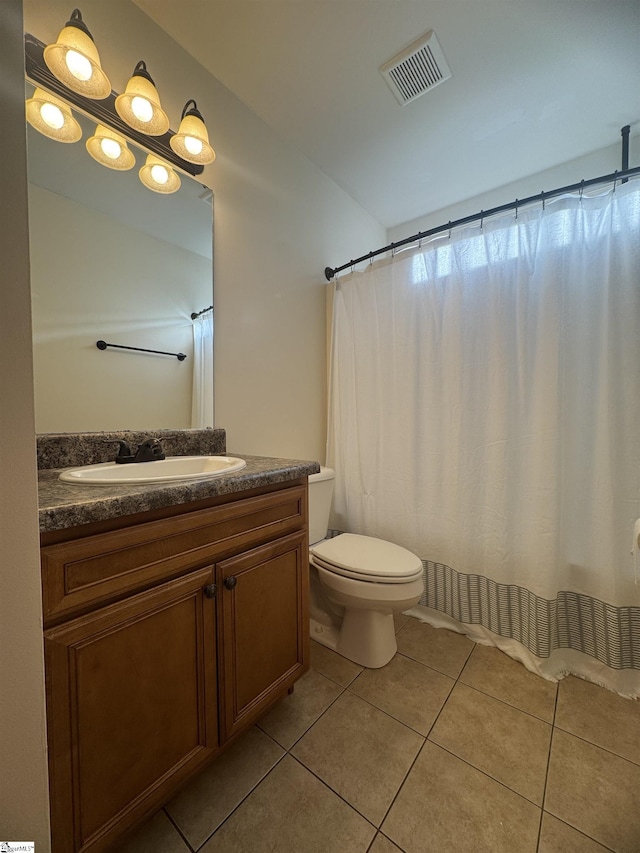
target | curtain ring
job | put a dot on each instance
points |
(615, 179)
(481, 219)
(393, 250)
(543, 200)
(581, 189)
(449, 229)
(516, 210)
(352, 265)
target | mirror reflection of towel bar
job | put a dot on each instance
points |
(179, 355)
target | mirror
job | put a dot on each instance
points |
(113, 261)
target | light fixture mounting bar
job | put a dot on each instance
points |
(103, 112)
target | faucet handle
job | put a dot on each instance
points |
(149, 451)
(124, 451)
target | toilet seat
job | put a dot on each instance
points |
(366, 558)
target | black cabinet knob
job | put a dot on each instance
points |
(210, 591)
(230, 582)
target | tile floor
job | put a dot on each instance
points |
(452, 747)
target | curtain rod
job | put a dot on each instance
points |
(513, 205)
(196, 314)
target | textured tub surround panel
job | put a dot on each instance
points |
(175, 615)
(68, 450)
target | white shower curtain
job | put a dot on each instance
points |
(202, 395)
(485, 413)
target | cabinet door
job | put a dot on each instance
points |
(263, 633)
(132, 708)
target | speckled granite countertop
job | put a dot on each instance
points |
(71, 449)
(65, 505)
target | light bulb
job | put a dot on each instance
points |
(193, 145)
(111, 148)
(159, 174)
(52, 116)
(78, 65)
(141, 109)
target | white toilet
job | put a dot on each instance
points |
(357, 584)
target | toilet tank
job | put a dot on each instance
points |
(320, 494)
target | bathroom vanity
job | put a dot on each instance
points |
(175, 616)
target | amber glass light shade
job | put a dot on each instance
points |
(139, 104)
(73, 59)
(191, 142)
(158, 176)
(52, 117)
(110, 149)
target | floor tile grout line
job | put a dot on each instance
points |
(397, 719)
(311, 725)
(237, 806)
(555, 704)
(484, 773)
(575, 828)
(339, 684)
(546, 775)
(380, 832)
(435, 669)
(401, 786)
(504, 701)
(544, 789)
(597, 745)
(177, 829)
(336, 793)
(398, 653)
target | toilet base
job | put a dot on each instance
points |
(326, 635)
(366, 637)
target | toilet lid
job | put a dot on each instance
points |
(367, 558)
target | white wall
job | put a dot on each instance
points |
(278, 221)
(602, 162)
(94, 278)
(23, 780)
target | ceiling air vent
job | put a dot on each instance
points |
(416, 70)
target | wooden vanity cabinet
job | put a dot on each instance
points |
(263, 617)
(132, 707)
(163, 641)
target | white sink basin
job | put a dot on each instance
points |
(158, 471)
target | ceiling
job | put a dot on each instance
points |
(534, 83)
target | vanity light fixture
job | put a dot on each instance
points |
(74, 60)
(52, 117)
(112, 130)
(139, 104)
(158, 176)
(191, 142)
(110, 149)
